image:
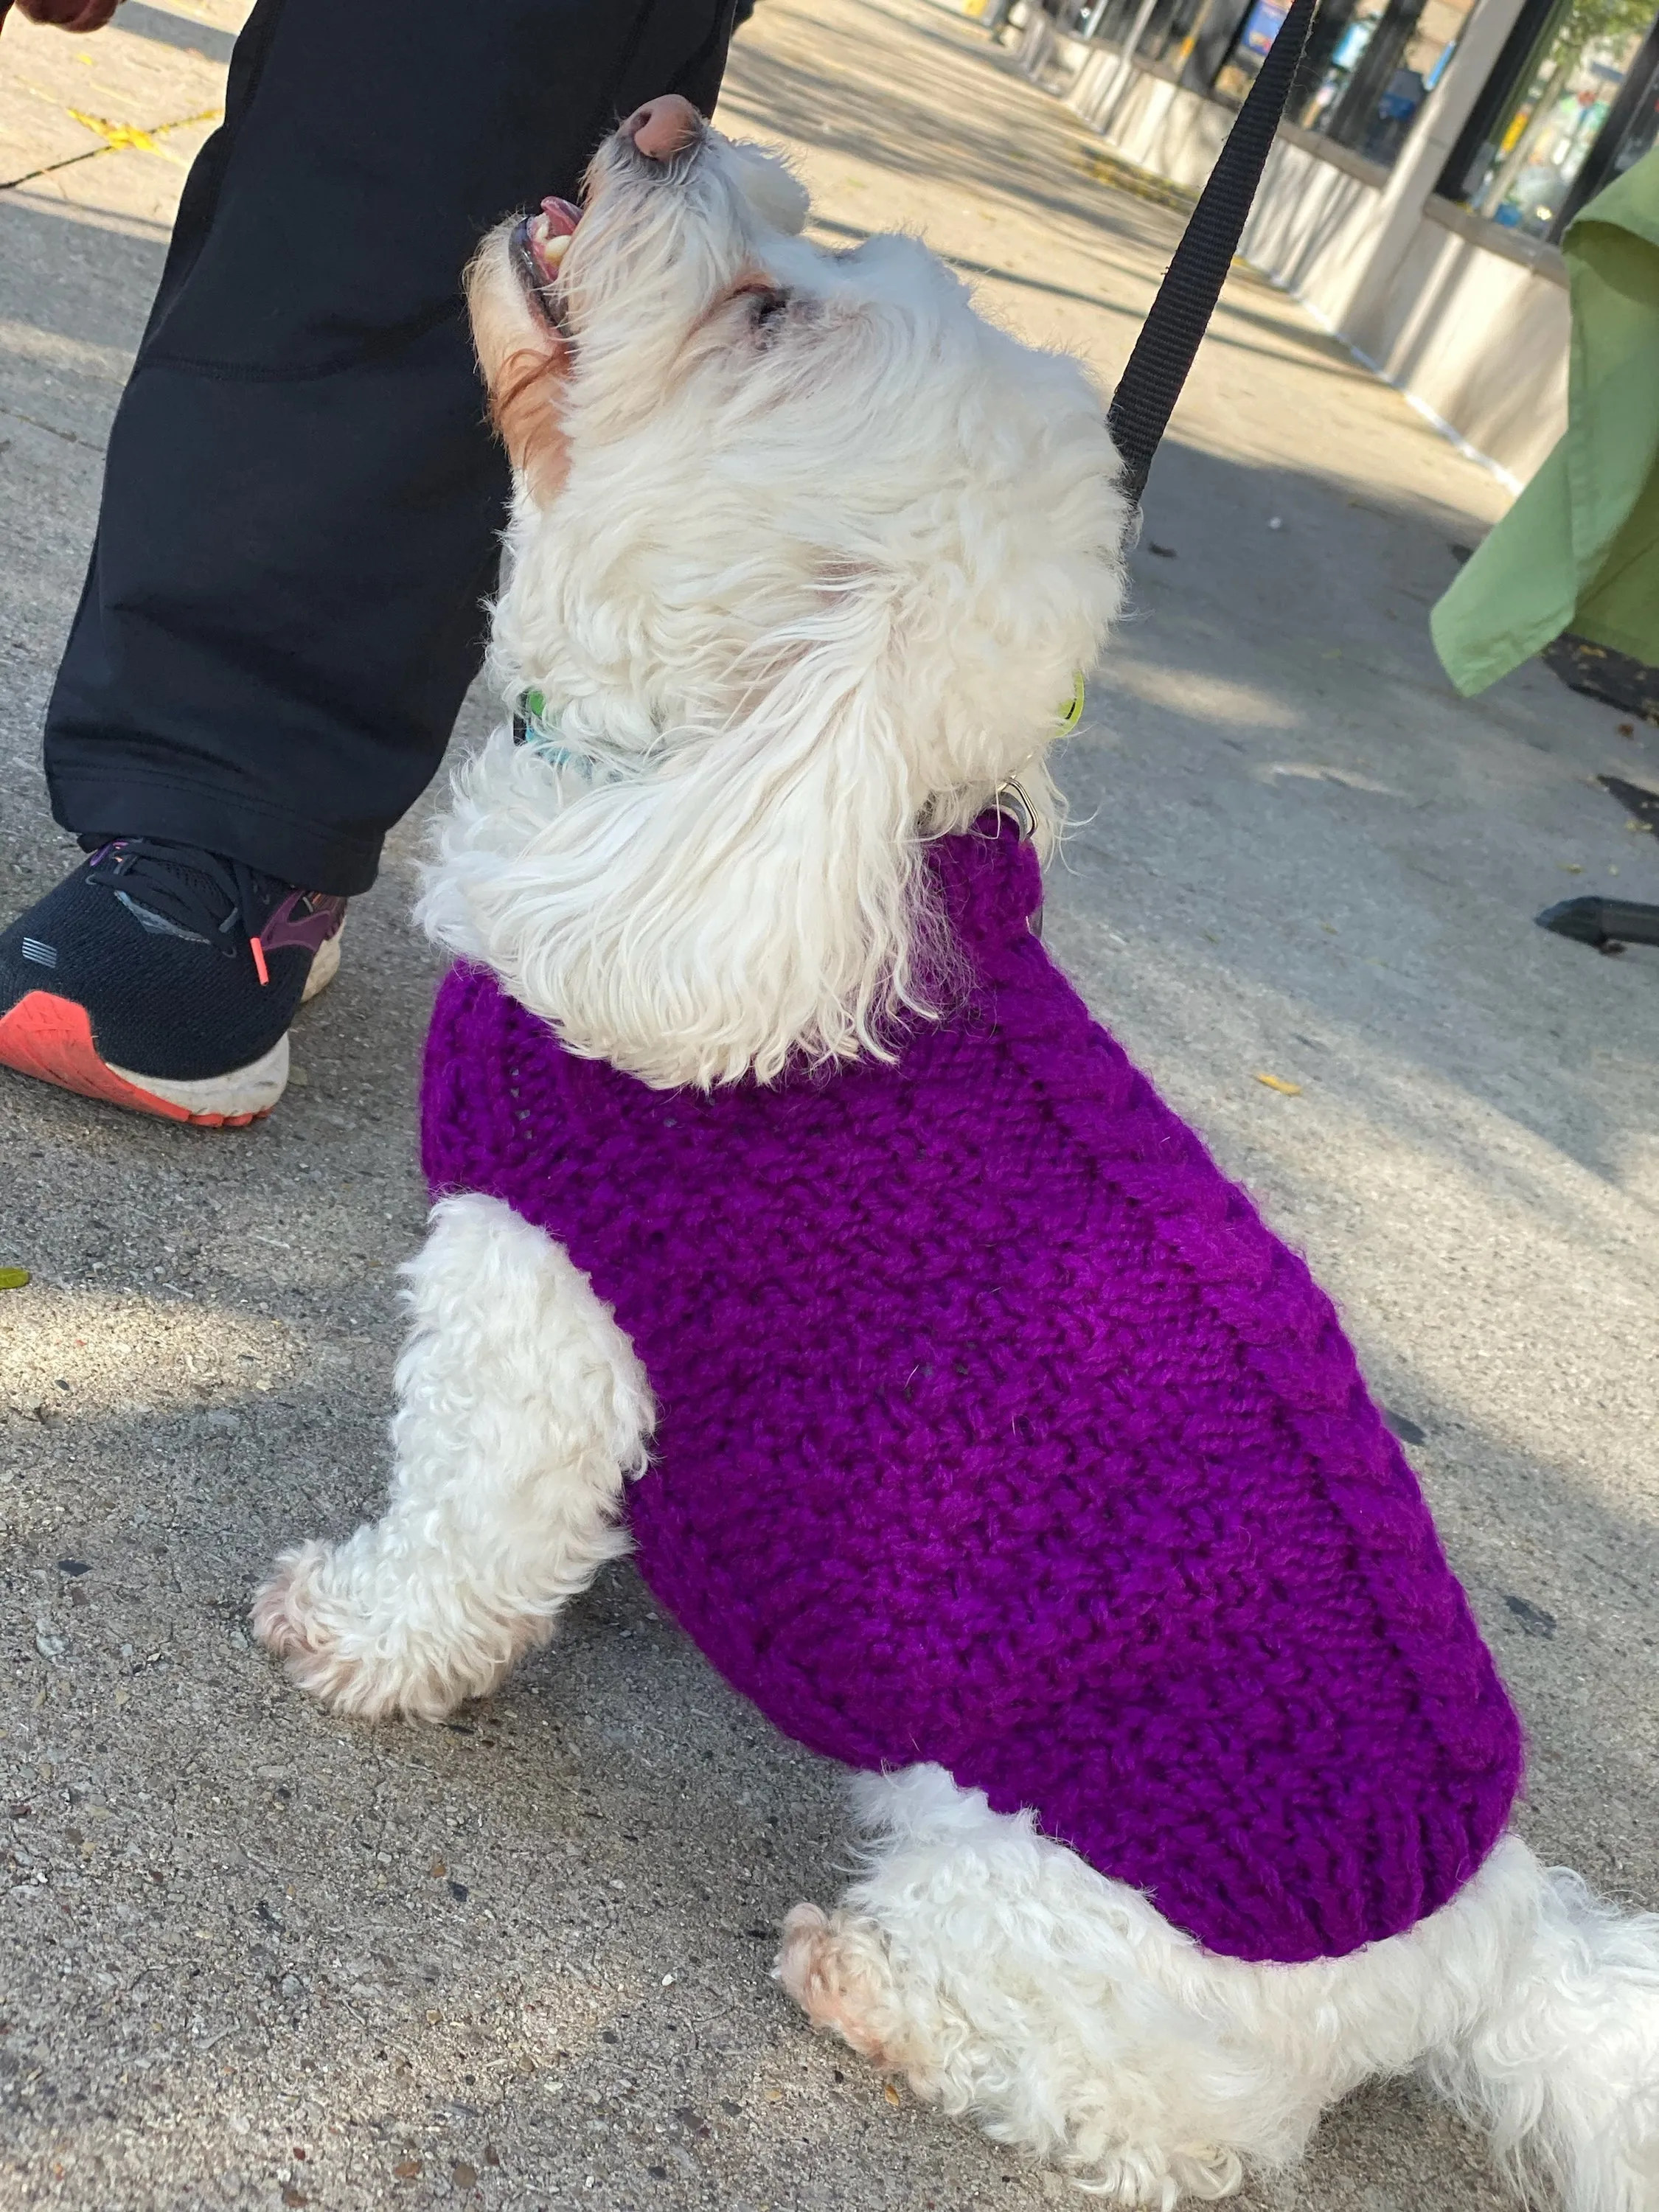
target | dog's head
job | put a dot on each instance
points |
(804, 558)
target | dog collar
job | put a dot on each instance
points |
(1009, 798)
(532, 726)
(543, 733)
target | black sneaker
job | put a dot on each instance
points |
(163, 978)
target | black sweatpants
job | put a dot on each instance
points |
(301, 499)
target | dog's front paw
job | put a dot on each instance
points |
(297, 1616)
(306, 1612)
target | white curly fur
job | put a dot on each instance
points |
(806, 586)
(521, 1408)
(1008, 1980)
(806, 593)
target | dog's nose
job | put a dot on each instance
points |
(662, 127)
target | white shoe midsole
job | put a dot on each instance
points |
(325, 966)
(254, 1089)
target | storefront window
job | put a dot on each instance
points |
(1098, 19)
(1257, 34)
(1371, 65)
(1573, 103)
(1579, 112)
(1186, 35)
(1172, 31)
(1111, 20)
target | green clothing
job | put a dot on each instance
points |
(1579, 549)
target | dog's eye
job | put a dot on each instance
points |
(767, 309)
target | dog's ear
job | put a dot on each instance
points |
(525, 362)
(757, 900)
(770, 186)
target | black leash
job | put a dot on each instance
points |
(1156, 370)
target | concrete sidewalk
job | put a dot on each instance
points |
(252, 1957)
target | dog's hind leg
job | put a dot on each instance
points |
(1557, 2054)
(522, 1408)
(1010, 1981)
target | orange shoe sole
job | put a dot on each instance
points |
(51, 1038)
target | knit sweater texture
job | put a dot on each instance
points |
(996, 1430)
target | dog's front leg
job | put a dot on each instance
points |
(522, 1407)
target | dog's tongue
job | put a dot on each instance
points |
(549, 234)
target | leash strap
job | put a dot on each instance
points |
(1155, 372)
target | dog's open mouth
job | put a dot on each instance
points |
(540, 244)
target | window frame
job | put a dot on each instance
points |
(1504, 83)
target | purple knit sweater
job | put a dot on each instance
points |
(996, 1430)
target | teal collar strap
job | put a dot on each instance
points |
(534, 726)
(545, 737)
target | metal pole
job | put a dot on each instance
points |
(1126, 63)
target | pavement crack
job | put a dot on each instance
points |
(68, 437)
(118, 137)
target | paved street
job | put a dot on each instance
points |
(250, 1956)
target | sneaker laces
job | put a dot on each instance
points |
(182, 891)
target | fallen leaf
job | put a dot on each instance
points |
(14, 1278)
(292, 2196)
(1532, 1618)
(115, 134)
(890, 2093)
(437, 1870)
(462, 2175)
(408, 2169)
(1278, 1083)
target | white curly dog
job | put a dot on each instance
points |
(703, 869)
